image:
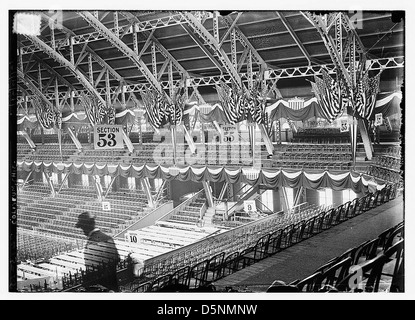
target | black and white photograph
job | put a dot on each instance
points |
(190, 152)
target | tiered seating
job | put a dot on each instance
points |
(23, 150)
(46, 210)
(321, 135)
(51, 152)
(101, 156)
(190, 214)
(387, 165)
(126, 208)
(33, 246)
(373, 266)
(45, 138)
(165, 236)
(313, 156)
(144, 153)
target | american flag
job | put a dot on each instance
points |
(47, 117)
(371, 93)
(155, 106)
(330, 94)
(229, 102)
(95, 109)
(176, 107)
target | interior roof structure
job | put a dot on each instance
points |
(111, 49)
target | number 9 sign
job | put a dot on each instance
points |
(108, 137)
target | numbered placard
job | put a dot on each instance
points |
(378, 119)
(106, 206)
(344, 126)
(108, 137)
(230, 133)
(249, 206)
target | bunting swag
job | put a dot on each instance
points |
(96, 111)
(330, 94)
(268, 177)
(282, 110)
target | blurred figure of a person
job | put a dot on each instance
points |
(86, 222)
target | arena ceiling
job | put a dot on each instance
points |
(113, 52)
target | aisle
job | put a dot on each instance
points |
(302, 259)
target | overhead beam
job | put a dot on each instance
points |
(132, 18)
(34, 88)
(203, 48)
(120, 45)
(53, 72)
(246, 43)
(230, 28)
(67, 64)
(321, 27)
(213, 45)
(296, 39)
(87, 48)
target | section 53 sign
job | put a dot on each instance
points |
(108, 137)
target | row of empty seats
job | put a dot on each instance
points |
(375, 265)
(256, 245)
(190, 214)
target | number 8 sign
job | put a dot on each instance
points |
(108, 137)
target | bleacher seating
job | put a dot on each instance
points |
(313, 156)
(190, 214)
(52, 152)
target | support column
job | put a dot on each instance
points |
(208, 193)
(267, 140)
(98, 186)
(75, 140)
(298, 196)
(50, 183)
(283, 200)
(365, 138)
(189, 139)
(145, 183)
(127, 141)
(26, 136)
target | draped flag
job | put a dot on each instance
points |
(155, 106)
(372, 91)
(49, 118)
(46, 115)
(96, 111)
(330, 94)
(176, 108)
(232, 101)
(241, 104)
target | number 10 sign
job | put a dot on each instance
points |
(108, 137)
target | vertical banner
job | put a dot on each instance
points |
(108, 137)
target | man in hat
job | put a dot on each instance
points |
(86, 222)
